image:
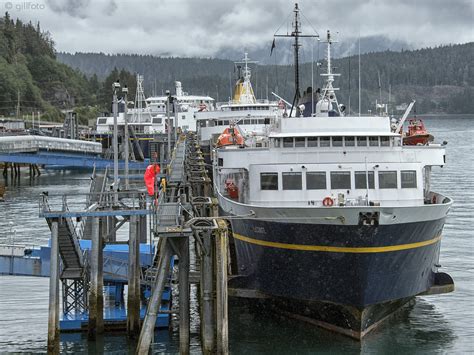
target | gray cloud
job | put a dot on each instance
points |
(73, 8)
(207, 28)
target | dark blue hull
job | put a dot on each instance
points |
(345, 276)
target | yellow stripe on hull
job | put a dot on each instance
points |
(332, 249)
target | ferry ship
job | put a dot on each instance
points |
(333, 217)
(252, 116)
(147, 119)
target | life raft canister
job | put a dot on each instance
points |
(232, 189)
(328, 201)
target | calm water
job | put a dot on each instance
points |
(434, 325)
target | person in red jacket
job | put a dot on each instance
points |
(150, 176)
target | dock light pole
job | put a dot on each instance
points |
(115, 87)
(125, 119)
(175, 125)
(168, 118)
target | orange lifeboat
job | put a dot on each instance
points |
(417, 133)
(230, 136)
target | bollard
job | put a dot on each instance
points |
(53, 315)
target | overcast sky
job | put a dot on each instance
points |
(206, 27)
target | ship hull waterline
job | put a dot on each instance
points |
(346, 278)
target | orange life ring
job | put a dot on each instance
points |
(328, 202)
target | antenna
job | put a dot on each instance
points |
(329, 91)
(359, 73)
(380, 86)
(349, 103)
(139, 99)
(297, 35)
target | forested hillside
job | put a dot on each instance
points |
(441, 79)
(31, 79)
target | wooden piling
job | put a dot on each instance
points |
(96, 298)
(148, 327)
(184, 294)
(53, 315)
(222, 332)
(142, 231)
(207, 293)
(112, 235)
(133, 298)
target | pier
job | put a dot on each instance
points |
(87, 262)
(40, 150)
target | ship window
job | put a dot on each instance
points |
(183, 117)
(408, 178)
(312, 141)
(349, 141)
(387, 179)
(291, 181)
(277, 142)
(269, 181)
(299, 141)
(102, 120)
(385, 141)
(226, 123)
(157, 120)
(288, 142)
(341, 180)
(362, 141)
(337, 141)
(261, 121)
(374, 141)
(316, 180)
(324, 141)
(361, 179)
(202, 123)
(246, 121)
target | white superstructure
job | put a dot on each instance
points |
(185, 106)
(329, 159)
(251, 115)
(149, 115)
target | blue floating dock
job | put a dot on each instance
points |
(35, 262)
(115, 316)
(115, 312)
